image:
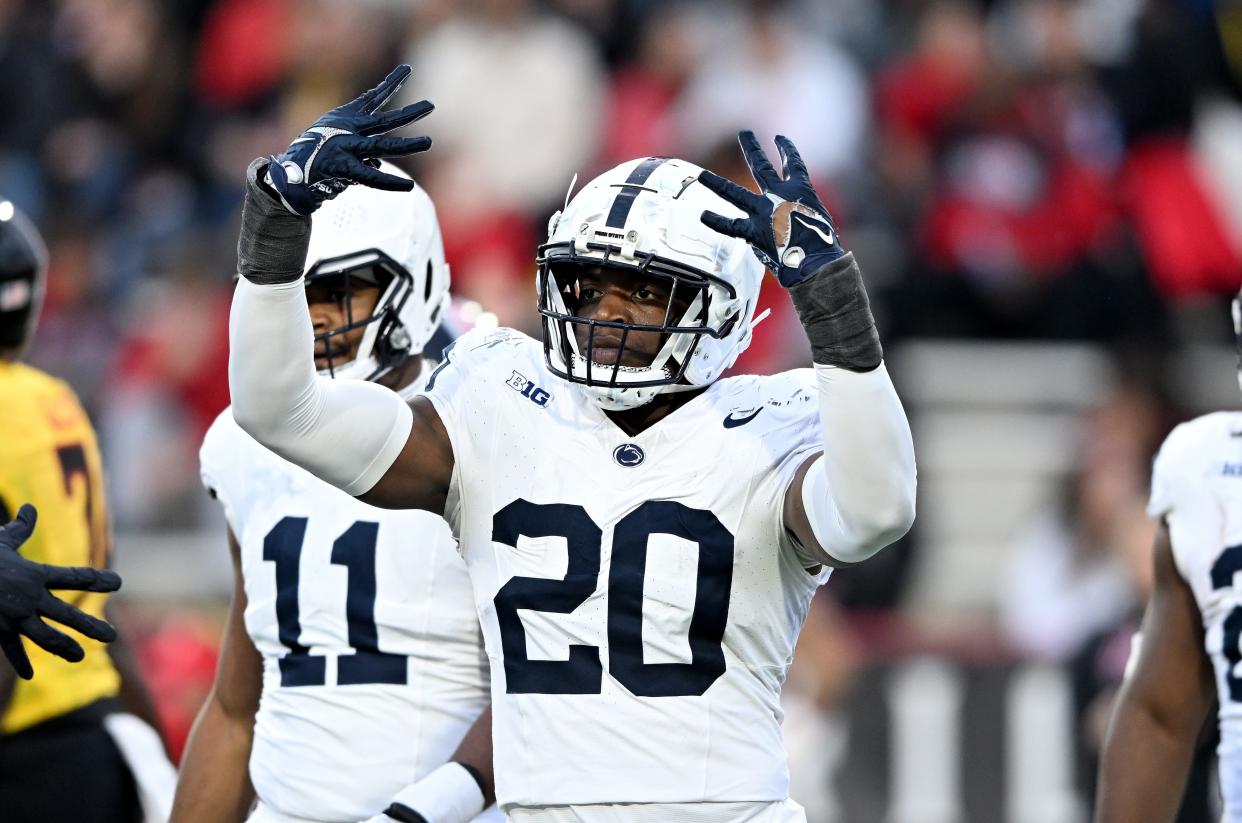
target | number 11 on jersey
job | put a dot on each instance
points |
(355, 550)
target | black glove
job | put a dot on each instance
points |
(25, 599)
(340, 149)
(787, 226)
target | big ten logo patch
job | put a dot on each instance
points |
(527, 389)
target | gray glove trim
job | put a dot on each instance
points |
(833, 307)
(271, 248)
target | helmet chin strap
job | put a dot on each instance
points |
(618, 399)
(624, 398)
(360, 368)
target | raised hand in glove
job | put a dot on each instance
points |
(790, 231)
(341, 148)
(787, 226)
(25, 600)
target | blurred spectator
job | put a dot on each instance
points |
(1068, 579)
(760, 69)
(641, 117)
(237, 61)
(921, 95)
(518, 97)
(1011, 157)
(1180, 228)
(171, 380)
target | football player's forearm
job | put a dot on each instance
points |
(860, 497)
(475, 751)
(214, 783)
(347, 433)
(1143, 767)
(1165, 700)
(457, 791)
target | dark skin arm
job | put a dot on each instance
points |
(1162, 707)
(420, 476)
(214, 784)
(475, 751)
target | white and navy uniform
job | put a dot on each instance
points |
(639, 594)
(1197, 489)
(373, 669)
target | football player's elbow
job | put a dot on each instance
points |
(254, 421)
(249, 420)
(883, 523)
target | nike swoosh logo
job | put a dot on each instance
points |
(731, 422)
(810, 225)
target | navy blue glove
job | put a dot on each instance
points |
(341, 148)
(25, 600)
(787, 226)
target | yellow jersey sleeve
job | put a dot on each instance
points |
(49, 457)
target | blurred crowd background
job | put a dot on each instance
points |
(1045, 196)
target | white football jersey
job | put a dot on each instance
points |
(639, 595)
(1197, 488)
(373, 668)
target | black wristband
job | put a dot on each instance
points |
(271, 248)
(833, 307)
(402, 812)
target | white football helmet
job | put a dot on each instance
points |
(643, 216)
(390, 239)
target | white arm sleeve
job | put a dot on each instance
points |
(347, 432)
(859, 496)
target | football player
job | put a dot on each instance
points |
(643, 537)
(74, 725)
(352, 661)
(1188, 649)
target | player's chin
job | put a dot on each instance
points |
(608, 356)
(323, 362)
